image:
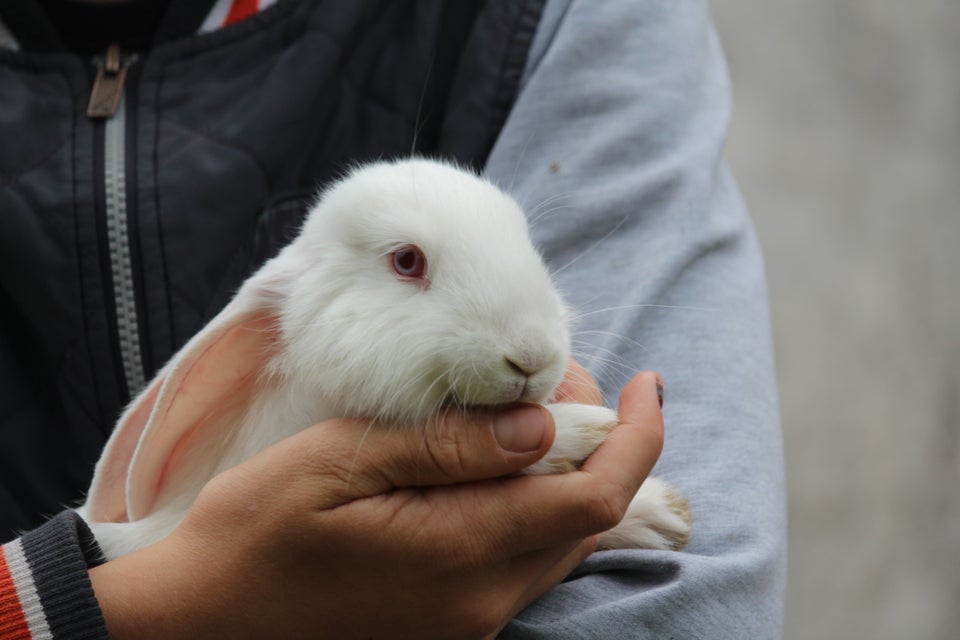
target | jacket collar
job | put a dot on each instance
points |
(24, 25)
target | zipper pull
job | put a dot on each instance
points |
(108, 86)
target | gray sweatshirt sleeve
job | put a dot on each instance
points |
(614, 146)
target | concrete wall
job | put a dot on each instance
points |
(846, 143)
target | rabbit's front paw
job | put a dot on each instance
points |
(580, 428)
(658, 518)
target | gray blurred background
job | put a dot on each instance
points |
(846, 144)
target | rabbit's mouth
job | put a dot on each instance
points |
(453, 401)
(490, 398)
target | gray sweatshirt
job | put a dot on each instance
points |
(615, 145)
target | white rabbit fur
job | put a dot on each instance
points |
(328, 329)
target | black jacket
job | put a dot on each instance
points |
(120, 235)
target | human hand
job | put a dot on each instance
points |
(345, 532)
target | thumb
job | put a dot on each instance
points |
(355, 459)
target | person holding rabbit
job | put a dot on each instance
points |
(156, 154)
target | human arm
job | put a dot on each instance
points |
(340, 533)
(614, 146)
(338, 528)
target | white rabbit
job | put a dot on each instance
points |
(412, 285)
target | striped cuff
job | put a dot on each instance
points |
(45, 589)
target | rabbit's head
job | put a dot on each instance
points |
(417, 285)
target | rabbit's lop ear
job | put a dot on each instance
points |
(172, 437)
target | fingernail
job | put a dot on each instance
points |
(519, 430)
(660, 390)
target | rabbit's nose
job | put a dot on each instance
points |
(519, 367)
(527, 363)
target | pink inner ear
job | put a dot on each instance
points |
(208, 392)
(107, 499)
(232, 404)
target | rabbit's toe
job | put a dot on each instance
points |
(658, 518)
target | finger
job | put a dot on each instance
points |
(566, 561)
(352, 460)
(527, 577)
(631, 450)
(612, 475)
(578, 386)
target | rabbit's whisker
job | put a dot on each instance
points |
(578, 316)
(593, 246)
(611, 334)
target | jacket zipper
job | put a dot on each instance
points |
(107, 92)
(107, 104)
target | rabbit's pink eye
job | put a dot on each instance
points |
(409, 262)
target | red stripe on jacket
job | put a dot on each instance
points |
(239, 10)
(13, 624)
